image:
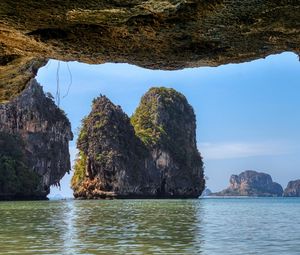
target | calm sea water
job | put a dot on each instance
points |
(204, 226)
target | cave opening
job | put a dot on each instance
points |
(247, 114)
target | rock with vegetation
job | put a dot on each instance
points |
(112, 160)
(16, 178)
(166, 123)
(292, 189)
(153, 155)
(157, 34)
(251, 183)
(34, 139)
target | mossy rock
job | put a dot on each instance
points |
(16, 179)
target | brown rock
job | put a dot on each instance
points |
(252, 183)
(166, 34)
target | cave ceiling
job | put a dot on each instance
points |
(155, 34)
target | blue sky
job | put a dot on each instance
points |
(248, 115)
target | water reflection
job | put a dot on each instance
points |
(32, 227)
(102, 227)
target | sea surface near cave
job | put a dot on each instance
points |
(200, 226)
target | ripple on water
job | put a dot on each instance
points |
(204, 226)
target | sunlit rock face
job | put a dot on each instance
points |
(252, 183)
(292, 189)
(153, 155)
(42, 132)
(160, 34)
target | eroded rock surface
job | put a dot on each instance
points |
(252, 183)
(166, 123)
(292, 189)
(41, 132)
(167, 34)
(112, 161)
(155, 156)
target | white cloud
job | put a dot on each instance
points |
(232, 150)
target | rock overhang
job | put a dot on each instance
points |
(160, 34)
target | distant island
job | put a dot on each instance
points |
(153, 154)
(207, 192)
(292, 189)
(253, 184)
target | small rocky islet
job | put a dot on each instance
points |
(253, 184)
(153, 154)
(292, 189)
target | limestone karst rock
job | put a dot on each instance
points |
(36, 135)
(112, 160)
(166, 123)
(252, 183)
(166, 34)
(155, 156)
(292, 189)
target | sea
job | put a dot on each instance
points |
(197, 226)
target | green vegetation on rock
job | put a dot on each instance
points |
(79, 170)
(34, 146)
(16, 179)
(153, 154)
(145, 119)
(108, 140)
(160, 119)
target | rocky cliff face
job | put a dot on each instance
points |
(252, 183)
(168, 34)
(112, 160)
(166, 123)
(155, 156)
(41, 132)
(292, 189)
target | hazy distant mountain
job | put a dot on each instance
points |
(292, 189)
(206, 192)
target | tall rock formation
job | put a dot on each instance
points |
(252, 183)
(292, 189)
(36, 134)
(166, 123)
(155, 156)
(112, 160)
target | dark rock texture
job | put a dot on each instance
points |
(155, 156)
(17, 181)
(41, 132)
(292, 189)
(167, 34)
(112, 160)
(252, 183)
(166, 123)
